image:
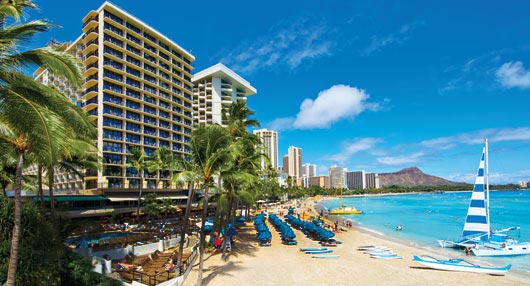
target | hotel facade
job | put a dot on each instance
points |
(139, 91)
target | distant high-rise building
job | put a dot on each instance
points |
(356, 180)
(321, 181)
(269, 139)
(336, 177)
(285, 164)
(372, 180)
(308, 170)
(295, 162)
(216, 88)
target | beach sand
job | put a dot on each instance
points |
(250, 264)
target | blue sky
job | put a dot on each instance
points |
(371, 85)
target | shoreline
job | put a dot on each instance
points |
(281, 264)
(442, 252)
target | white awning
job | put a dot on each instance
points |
(173, 197)
(122, 199)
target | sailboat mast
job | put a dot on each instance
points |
(486, 181)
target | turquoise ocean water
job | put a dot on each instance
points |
(426, 218)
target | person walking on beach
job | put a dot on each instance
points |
(467, 251)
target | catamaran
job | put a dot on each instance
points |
(477, 233)
(342, 209)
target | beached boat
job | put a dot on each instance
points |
(344, 209)
(326, 256)
(459, 265)
(319, 251)
(386, 256)
(477, 234)
(312, 248)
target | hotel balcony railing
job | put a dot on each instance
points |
(134, 61)
(134, 117)
(113, 125)
(133, 141)
(133, 39)
(132, 105)
(113, 99)
(113, 137)
(115, 30)
(134, 94)
(113, 88)
(149, 99)
(112, 112)
(134, 129)
(112, 149)
(150, 133)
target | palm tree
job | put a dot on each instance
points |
(210, 151)
(137, 160)
(240, 175)
(162, 161)
(80, 154)
(167, 206)
(187, 176)
(236, 118)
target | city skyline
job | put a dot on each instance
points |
(367, 86)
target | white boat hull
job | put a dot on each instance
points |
(459, 265)
(509, 250)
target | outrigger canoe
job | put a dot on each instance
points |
(459, 265)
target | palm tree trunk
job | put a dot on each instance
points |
(139, 199)
(40, 191)
(228, 215)
(203, 238)
(51, 173)
(187, 214)
(15, 239)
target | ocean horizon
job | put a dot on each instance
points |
(429, 217)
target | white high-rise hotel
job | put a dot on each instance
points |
(269, 139)
(294, 155)
(215, 89)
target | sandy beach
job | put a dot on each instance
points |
(279, 264)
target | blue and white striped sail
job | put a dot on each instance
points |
(477, 221)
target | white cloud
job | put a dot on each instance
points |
(401, 160)
(331, 105)
(350, 148)
(477, 137)
(379, 42)
(290, 45)
(513, 74)
(281, 123)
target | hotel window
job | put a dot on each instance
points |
(150, 48)
(110, 27)
(134, 28)
(133, 116)
(133, 61)
(149, 120)
(112, 111)
(134, 72)
(133, 127)
(133, 93)
(133, 82)
(134, 50)
(113, 40)
(133, 39)
(150, 38)
(149, 110)
(113, 17)
(111, 51)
